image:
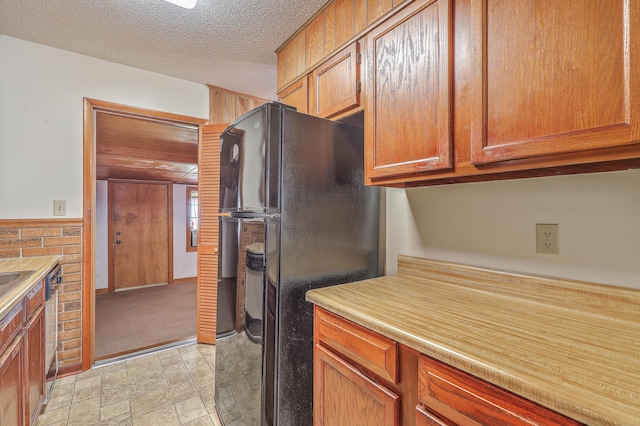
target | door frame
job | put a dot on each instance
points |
(111, 239)
(90, 107)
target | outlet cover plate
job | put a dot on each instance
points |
(547, 238)
(59, 207)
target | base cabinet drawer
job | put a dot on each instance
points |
(464, 399)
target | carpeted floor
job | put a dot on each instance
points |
(132, 320)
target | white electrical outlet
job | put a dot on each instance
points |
(59, 207)
(547, 238)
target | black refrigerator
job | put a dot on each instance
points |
(295, 215)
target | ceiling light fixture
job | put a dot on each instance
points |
(187, 4)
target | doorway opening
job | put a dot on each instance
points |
(144, 151)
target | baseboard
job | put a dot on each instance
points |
(69, 370)
(184, 280)
(102, 290)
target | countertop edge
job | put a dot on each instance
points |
(41, 264)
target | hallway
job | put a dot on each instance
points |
(133, 320)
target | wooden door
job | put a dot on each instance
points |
(408, 98)
(335, 84)
(35, 364)
(139, 233)
(345, 396)
(553, 77)
(208, 190)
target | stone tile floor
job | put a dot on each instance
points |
(171, 387)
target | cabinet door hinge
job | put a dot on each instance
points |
(358, 86)
(358, 58)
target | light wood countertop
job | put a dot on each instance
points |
(570, 346)
(41, 265)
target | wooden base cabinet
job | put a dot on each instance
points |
(361, 377)
(451, 396)
(345, 396)
(12, 406)
(35, 351)
(22, 352)
(364, 378)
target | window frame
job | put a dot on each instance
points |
(189, 201)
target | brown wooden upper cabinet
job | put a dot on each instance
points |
(296, 95)
(335, 84)
(408, 96)
(476, 90)
(553, 77)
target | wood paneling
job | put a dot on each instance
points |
(359, 16)
(408, 102)
(553, 77)
(226, 105)
(314, 40)
(330, 28)
(208, 191)
(141, 148)
(377, 8)
(344, 21)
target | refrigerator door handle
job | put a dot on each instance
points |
(255, 215)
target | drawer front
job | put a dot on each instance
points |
(34, 300)
(372, 351)
(11, 325)
(466, 399)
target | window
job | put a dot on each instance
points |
(192, 218)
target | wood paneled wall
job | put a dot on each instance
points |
(226, 105)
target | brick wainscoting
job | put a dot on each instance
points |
(63, 237)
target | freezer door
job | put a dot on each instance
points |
(242, 164)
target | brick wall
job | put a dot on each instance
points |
(61, 237)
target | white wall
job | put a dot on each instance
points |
(492, 224)
(41, 114)
(102, 234)
(185, 264)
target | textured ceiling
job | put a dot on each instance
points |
(226, 43)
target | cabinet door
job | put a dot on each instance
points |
(11, 384)
(296, 95)
(408, 98)
(335, 85)
(553, 77)
(35, 364)
(345, 396)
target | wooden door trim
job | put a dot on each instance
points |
(89, 207)
(110, 238)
